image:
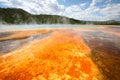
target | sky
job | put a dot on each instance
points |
(89, 10)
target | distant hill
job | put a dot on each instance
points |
(19, 16)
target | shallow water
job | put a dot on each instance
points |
(35, 26)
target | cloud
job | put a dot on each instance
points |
(37, 6)
(108, 1)
(94, 2)
(92, 12)
(76, 12)
(83, 4)
(111, 11)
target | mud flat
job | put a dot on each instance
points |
(64, 54)
(105, 51)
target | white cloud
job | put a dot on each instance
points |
(108, 1)
(37, 6)
(73, 8)
(94, 2)
(76, 12)
(83, 4)
(110, 11)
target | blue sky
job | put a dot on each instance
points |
(91, 10)
(77, 2)
(73, 2)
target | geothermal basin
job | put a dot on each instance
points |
(57, 53)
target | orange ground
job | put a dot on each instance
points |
(25, 33)
(61, 56)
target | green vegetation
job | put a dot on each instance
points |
(19, 16)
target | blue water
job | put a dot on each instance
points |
(2, 27)
(35, 26)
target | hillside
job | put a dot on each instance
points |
(19, 16)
